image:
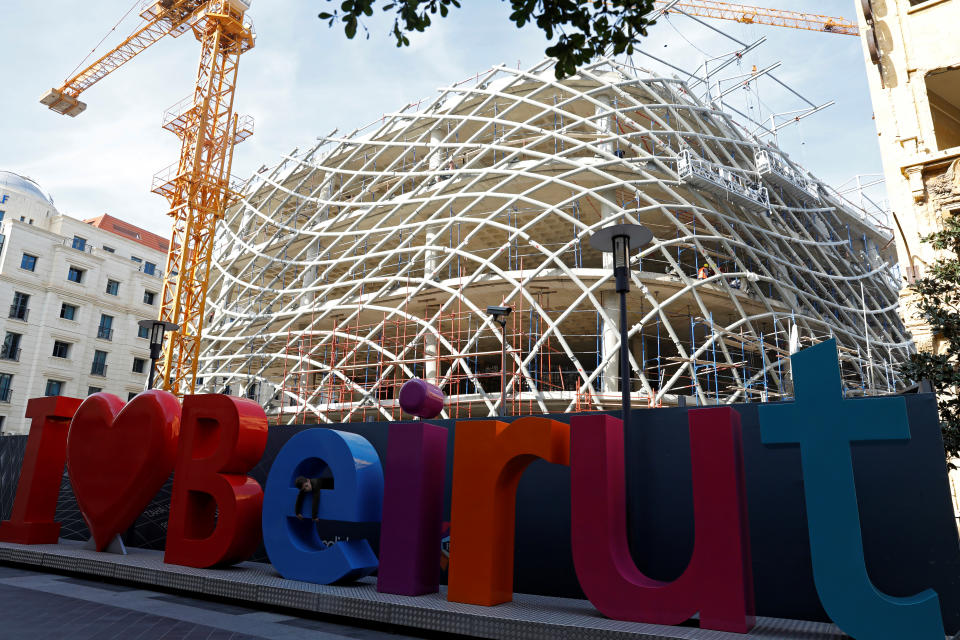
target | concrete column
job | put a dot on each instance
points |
(430, 342)
(436, 155)
(326, 194)
(430, 261)
(611, 337)
(604, 121)
(611, 305)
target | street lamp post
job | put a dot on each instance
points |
(619, 239)
(157, 329)
(499, 315)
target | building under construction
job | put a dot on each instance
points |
(371, 258)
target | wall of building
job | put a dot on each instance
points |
(916, 96)
(55, 252)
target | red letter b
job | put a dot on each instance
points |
(215, 506)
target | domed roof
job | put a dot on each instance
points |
(26, 186)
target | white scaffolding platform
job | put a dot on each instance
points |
(721, 181)
(772, 168)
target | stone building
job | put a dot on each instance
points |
(914, 73)
(75, 291)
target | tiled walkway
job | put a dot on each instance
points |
(56, 607)
(527, 617)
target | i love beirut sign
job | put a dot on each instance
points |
(119, 454)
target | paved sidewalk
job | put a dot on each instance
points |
(250, 584)
(56, 607)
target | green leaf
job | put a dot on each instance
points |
(586, 28)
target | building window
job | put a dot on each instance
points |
(105, 330)
(93, 390)
(19, 310)
(136, 259)
(148, 297)
(80, 244)
(75, 275)
(113, 287)
(149, 268)
(2, 214)
(61, 349)
(944, 102)
(108, 250)
(6, 382)
(68, 311)
(99, 366)
(139, 364)
(28, 262)
(143, 332)
(11, 347)
(54, 388)
(131, 395)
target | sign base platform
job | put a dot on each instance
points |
(528, 617)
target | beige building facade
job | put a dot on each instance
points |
(71, 292)
(913, 60)
(914, 76)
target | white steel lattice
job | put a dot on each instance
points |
(371, 258)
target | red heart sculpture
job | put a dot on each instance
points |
(119, 456)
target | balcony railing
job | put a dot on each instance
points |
(86, 247)
(105, 333)
(98, 369)
(156, 273)
(19, 312)
(7, 353)
(6, 394)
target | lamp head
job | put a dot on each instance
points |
(620, 239)
(157, 329)
(637, 236)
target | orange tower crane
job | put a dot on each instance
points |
(198, 185)
(747, 14)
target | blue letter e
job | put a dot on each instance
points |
(294, 546)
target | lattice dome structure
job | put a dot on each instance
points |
(371, 258)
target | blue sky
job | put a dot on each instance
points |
(303, 80)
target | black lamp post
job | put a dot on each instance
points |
(157, 329)
(499, 315)
(619, 239)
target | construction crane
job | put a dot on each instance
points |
(747, 14)
(198, 185)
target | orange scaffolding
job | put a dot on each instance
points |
(353, 370)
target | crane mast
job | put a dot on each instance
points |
(197, 186)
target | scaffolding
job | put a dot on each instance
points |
(775, 168)
(355, 370)
(370, 258)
